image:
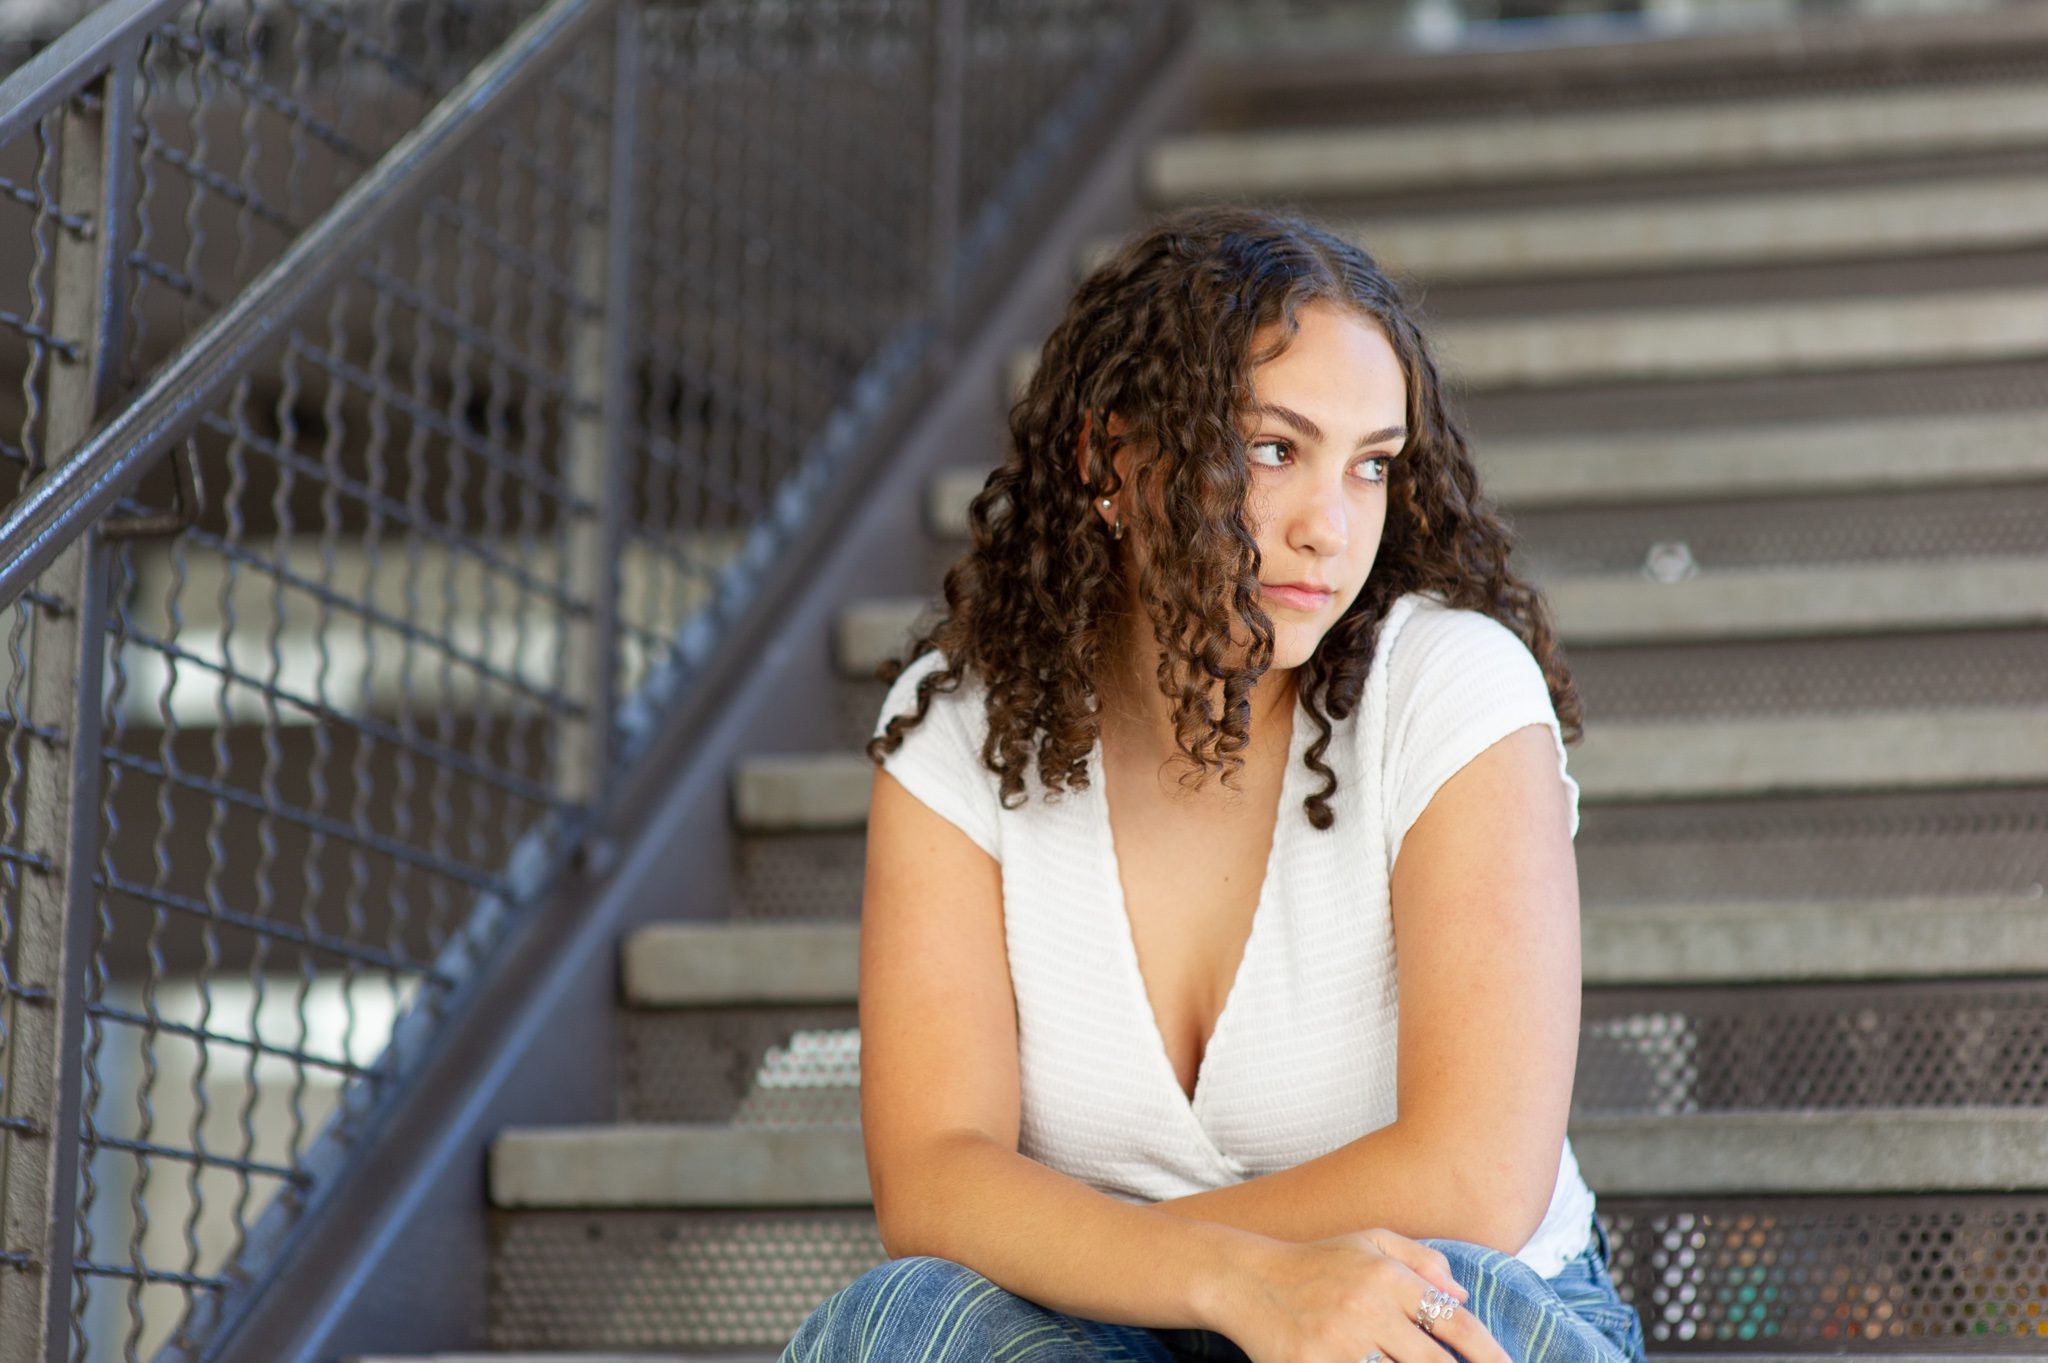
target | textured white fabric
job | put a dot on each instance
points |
(1302, 1059)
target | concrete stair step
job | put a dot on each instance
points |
(1871, 1151)
(1871, 750)
(1512, 146)
(1560, 349)
(678, 1165)
(1782, 755)
(1720, 603)
(507, 640)
(1804, 224)
(1938, 450)
(684, 965)
(727, 964)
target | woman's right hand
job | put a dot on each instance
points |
(1337, 1300)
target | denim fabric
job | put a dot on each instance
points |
(928, 1310)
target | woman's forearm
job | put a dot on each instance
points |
(1418, 1187)
(1043, 1235)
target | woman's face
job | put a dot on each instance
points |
(1327, 419)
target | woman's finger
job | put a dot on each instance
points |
(1429, 1264)
(1462, 1331)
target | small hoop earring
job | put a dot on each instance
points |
(1116, 527)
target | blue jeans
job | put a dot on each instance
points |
(923, 1309)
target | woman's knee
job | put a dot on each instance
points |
(891, 1309)
(1467, 1257)
(1475, 1265)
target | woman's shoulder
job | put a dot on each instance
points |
(938, 759)
(959, 708)
(1425, 634)
(902, 694)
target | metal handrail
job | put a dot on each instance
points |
(78, 57)
(57, 508)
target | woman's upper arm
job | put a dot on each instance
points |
(1486, 928)
(938, 1018)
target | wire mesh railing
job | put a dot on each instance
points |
(483, 415)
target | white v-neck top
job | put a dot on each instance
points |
(1302, 1059)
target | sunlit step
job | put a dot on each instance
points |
(723, 964)
(328, 627)
(1896, 1150)
(1949, 327)
(1811, 753)
(678, 1165)
(1770, 755)
(1940, 449)
(1713, 604)
(1782, 227)
(1556, 349)
(1513, 145)
(708, 964)
(1752, 941)
(1891, 1150)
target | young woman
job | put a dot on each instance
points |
(1272, 1066)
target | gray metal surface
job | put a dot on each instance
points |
(753, 1067)
(240, 121)
(1936, 1044)
(678, 1280)
(1910, 1275)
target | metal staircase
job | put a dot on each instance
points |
(556, 441)
(1754, 346)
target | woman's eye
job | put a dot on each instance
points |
(1266, 444)
(1386, 462)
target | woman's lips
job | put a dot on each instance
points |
(1297, 597)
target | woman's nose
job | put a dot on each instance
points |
(1322, 523)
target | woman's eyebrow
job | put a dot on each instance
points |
(1315, 432)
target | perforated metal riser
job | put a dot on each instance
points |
(1945, 1044)
(799, 876)
(774, 1067)
(1872, 847)
(1949, 523)
(1814, 676)
(859, 706)
(1732, 403)
(669, 1280)
(1876, 1276)
(1933, 1274)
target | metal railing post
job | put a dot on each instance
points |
(66, 641)
(601, 362)
(948, 110)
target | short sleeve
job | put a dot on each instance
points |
(939, 760)
(1458, 682)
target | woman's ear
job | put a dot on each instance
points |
(1114, 426)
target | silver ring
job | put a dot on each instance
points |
(1374, 1357)
(1437, 1305)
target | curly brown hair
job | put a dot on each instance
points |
(1161, 334)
